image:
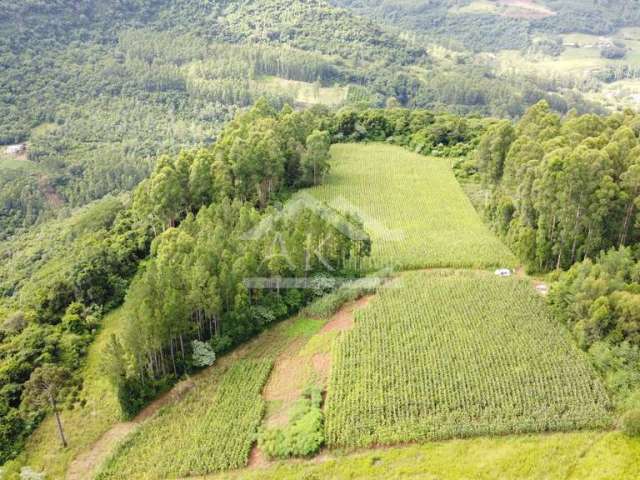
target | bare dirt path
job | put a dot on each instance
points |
(541, 287)
(85, 465)
(291, 372)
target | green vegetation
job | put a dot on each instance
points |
(600, 302)
(303, 435)
(573, 456)
(562, 190)
(325, 306)
(54, 302)
(213, 427)
(457, 354)
(100, 92)
(412, 207)
(191, 288)
(631, 423)
(142, 239)
(218, 437)
(97, 410)
(480, 25)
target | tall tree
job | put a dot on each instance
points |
(42, 390)
(315, 160)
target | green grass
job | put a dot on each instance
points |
(413, 207)
(11, 163)
(303, 92)
(304, 327)
(458, 354)
(561, 456)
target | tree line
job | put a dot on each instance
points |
(562, 189)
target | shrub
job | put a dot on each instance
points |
(631, 423)
(304, 434)
(203, 354)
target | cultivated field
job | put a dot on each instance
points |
(211, 432)
(212, 428)
(413, 207)
(457, 354)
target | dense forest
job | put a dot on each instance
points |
(99, 100)
(563, 189)
(457, 24)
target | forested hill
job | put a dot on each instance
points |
(492, 25)
(98, 89)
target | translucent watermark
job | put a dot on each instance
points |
(350, 224)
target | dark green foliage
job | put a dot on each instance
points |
(303, 435)
(98, 92)
(600, 301)
(562, 190)
(429, 133)
(66, 274)
(631, 423)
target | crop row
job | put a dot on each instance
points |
(457, 354)
(413, 208)
(203, 436)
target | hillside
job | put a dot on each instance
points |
(99, 92)
(325, 350)
(123, 82)
(490, 25)
(566, 47)
(323, 239)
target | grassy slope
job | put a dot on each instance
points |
(82, 426)
(562, 456)
(422, 217)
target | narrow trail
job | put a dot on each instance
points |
(541, 287)
(287, 379)
(85, 465)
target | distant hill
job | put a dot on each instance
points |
(490, 25)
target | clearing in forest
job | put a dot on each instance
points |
(413, 208)
(458, 354)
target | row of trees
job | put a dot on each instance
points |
(563, 190)
(423, 131)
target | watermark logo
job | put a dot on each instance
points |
(351, 225)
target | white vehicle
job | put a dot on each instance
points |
(503, 272)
